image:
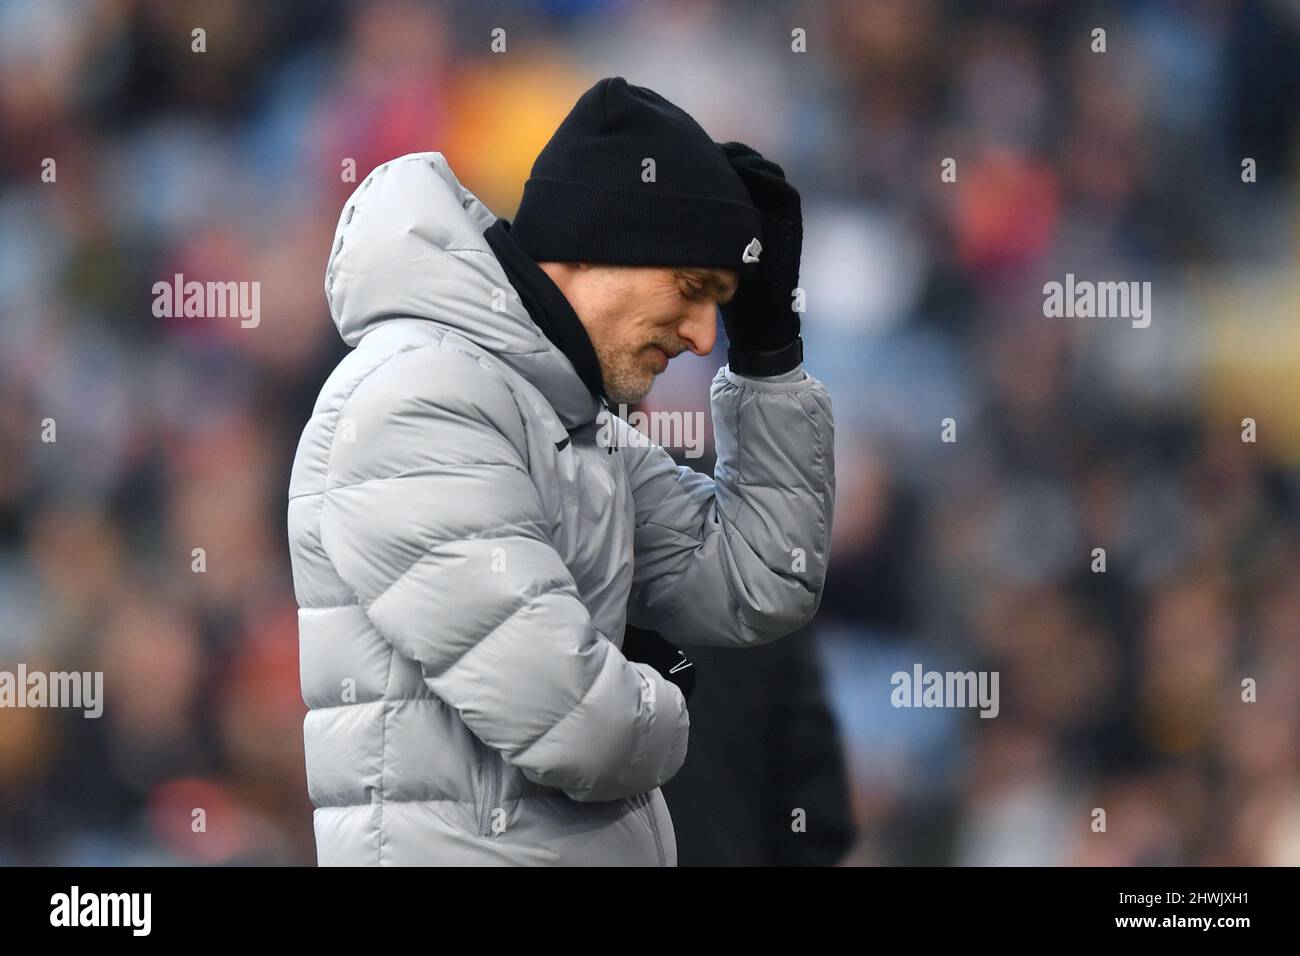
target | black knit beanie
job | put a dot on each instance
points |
(588, 198)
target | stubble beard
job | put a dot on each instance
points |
(627, 380)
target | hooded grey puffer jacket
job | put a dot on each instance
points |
(466, 554)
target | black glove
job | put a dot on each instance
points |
(649, 647)
(762, 327)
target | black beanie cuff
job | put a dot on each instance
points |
(563, 221)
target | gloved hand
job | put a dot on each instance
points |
(649, 647)
(762, 328)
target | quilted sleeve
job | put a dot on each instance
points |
(740, 558)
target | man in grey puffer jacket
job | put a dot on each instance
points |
(472, 531)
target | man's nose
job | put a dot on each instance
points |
(699, 329)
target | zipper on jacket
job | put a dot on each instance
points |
(493, 792)
(605, 402)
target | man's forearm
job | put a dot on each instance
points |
(739, 558)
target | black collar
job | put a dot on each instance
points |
(547, 306)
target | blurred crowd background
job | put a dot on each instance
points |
(1119, 690)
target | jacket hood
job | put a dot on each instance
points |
(409, 244)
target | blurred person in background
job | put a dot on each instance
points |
(765, 782)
